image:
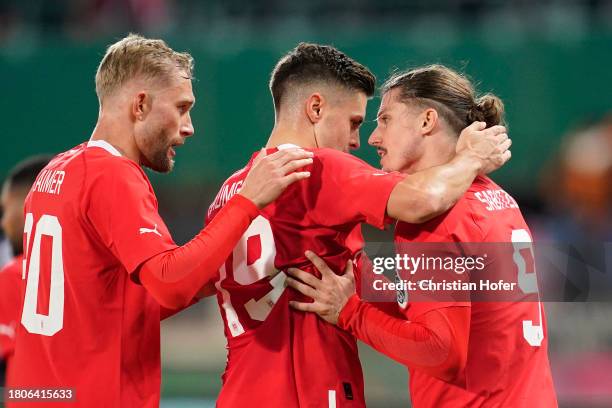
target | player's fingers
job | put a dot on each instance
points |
(305, 277)
(494, 130)
(260, 156)
(279, 154)
(502, 137)
(348, 271)
(505, 145)
(286, 155)
(293, 177)
(477, 126)
(295, 164)
(319, 263)
(506, 156)
(300, 287)
(304, 307)
(294, 155)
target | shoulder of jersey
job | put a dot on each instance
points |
(12, 267)
(100, 160)
(327, 155)
(487, 201)
(239, 172)
(469, 210)
(483, 183)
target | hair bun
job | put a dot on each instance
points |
(488, 108)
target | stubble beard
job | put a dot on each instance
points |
(157, 158)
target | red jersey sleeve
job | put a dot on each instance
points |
(175, 277)
(121, 206)
(349, 189)
(10, 277)
(434, 342)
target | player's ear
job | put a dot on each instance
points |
(429, 120)
(141, 105)
(314, 105)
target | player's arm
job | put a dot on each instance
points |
(435, 342)
(430, 192)
(175, 277)
(10, 278)
(207, 290)
(7, 339)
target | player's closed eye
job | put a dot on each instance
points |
(184, 107)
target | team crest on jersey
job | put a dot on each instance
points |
(402, 295)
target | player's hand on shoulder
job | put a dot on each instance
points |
(271, 174)
(490, 146)
(329, 294)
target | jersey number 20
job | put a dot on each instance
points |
(46, 325)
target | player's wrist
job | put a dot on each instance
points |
(248, 205)
(348, 311)
(470, 160)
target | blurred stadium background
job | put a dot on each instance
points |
(550, 61)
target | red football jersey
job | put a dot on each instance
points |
(10, 284)
(91, 220)
(507, 362)
(279, 357)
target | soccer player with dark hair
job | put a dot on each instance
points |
(14, 191)
(279, 357)
(99, 259)
(462, 352)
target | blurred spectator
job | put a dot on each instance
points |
(577, 192)
(14, 191)
(82, 18)
(87, 19)
(5, 250)
(577, 187)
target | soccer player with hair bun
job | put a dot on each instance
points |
(459, 353)
(280, 357)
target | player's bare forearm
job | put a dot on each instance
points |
(430, 192)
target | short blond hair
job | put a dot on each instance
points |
(135, 56)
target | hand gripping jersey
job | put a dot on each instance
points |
(90, 220)
(279, 357)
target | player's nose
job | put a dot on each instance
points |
(187, 128)
(375, 139)
(354, 142)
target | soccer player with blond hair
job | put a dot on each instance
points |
(98, 258)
